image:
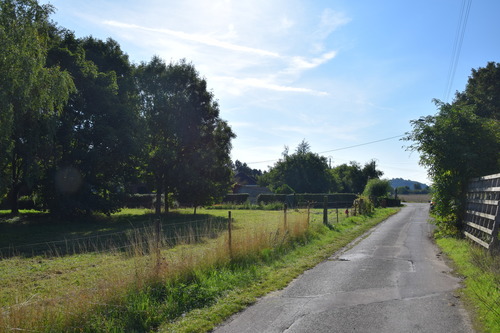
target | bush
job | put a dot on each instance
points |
(377, 188)
(237, 199)
(335, 200)
(264, 199)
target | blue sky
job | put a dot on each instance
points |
(338, 74)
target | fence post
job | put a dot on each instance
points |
(337, 214)
(325, 209)
(157, 242)
(284, 215)
(494, 245)
(229, 233)
(308, 214)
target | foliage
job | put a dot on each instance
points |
(303, 172)
(335, 200)
(284, 189)
(97, 136)
(79, 123)
(31, 94)
(482, 93)
(239, 198)
(188, 144)
(265, 199)
(460, 142)
(352, 178)
(377, 188)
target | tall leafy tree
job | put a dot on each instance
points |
(460, 142)
(352, 177)
(188, 144)
(482, 92)
(97, 133)
(31, 93)
(455, 145)
(302, 171)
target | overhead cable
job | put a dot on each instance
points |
(457, 46)
(337, 149)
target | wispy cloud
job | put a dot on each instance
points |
(298, 64)
(267, 84)
(202, 39)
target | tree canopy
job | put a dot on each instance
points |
(79, 123)
(307, 172)
(31, 94)
(460, 142)
(302, 172)
(188, 144)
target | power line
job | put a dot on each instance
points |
(457, 45)
(362, 144)
(343, 148)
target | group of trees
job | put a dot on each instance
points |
(460, 142)
(78, 121)
(307, 172)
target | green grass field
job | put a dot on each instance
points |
(415, 197)
(113, 274)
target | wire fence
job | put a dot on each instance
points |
(172, 234)
(184, 232)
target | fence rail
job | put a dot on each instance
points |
(482, 216)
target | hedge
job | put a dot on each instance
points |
(335, 200)
(238, 199)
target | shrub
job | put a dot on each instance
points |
(378, 188)
(237, 199)
(264, 199)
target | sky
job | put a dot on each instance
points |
(345, 76)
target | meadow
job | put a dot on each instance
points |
(415, 197)
(119, 274)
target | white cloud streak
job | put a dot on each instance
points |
(266, 84)
(202, 39)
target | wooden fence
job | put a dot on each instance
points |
(482, 216)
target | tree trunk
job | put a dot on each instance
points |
(13, 195)
(166, 200)
(14, 189)
(159, 188)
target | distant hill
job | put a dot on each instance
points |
(399, 182)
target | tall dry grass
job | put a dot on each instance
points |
(147, 259)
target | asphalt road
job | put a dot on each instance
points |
(394, 280)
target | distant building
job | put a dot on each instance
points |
(244, 179)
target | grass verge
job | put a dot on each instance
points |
(481, 273)
(277, 273)
(190, 287)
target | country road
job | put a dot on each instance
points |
(393, 280)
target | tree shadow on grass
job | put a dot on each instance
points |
(34, 234)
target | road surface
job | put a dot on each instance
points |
(394, 280)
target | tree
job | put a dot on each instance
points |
(188, 144)
(303, 171)
(352, 178)
(97, 139)
(460, 142)
(482, 92)
(377, 188)
(31, 94)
